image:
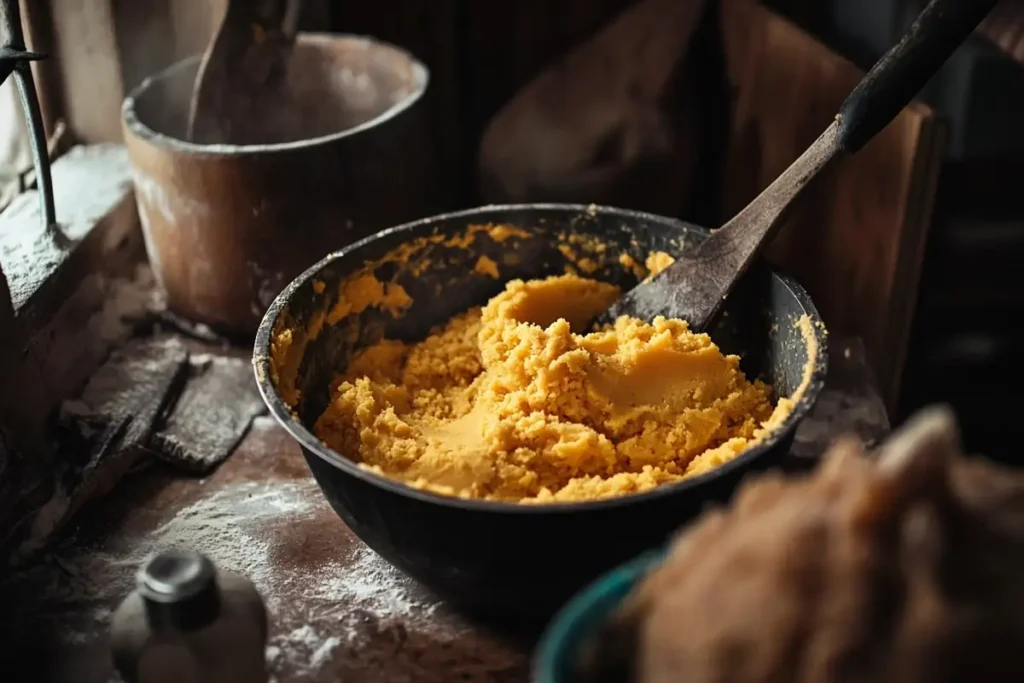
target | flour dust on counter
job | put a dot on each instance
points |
(281, 536)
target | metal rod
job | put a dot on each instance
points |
(40, 154)
(15, 58)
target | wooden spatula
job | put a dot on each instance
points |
(696, 285)
(246, 63)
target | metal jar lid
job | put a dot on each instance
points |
(179, 589)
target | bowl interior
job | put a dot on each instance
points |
(333, 84)
(435, 262)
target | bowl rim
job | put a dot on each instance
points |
(588, 607)
(311, 444)
(132, 123)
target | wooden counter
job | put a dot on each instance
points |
(338, 611)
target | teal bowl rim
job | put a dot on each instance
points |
(583, 613)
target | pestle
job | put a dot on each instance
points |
(695, 286)
(246, 63)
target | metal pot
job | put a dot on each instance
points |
(227, 226)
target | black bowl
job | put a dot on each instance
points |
(519, 560)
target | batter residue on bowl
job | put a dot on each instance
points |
(506, 402)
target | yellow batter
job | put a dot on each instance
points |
(507, 403)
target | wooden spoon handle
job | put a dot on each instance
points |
(695, 286)
(899, 75)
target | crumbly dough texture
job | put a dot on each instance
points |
(507, 403)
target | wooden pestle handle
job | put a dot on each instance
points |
(901, 73)
(281, 16)
(247, 54)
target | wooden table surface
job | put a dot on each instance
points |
(338, 611)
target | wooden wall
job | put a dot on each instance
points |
(859, 252)
(479, 54)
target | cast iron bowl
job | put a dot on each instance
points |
(500, 558)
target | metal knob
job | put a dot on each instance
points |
(179, 590)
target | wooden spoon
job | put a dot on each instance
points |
(696, 285)
(245, 64)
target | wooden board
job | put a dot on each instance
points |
(495, 70)
(856, 240)
(1004, 27)
(337, 611)
(87, 60)
(616, 120)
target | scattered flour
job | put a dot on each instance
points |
(224, 526)
(239, 529)
(303, 646)
(370, 582)
(323, 652)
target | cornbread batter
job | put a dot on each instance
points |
(506, 402)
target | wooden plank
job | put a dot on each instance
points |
(494, 69)
(146, 37)
(856, 240)
(194, 24)
(88, 59)
(616, 120)
(551, 28)
(1005, 28)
